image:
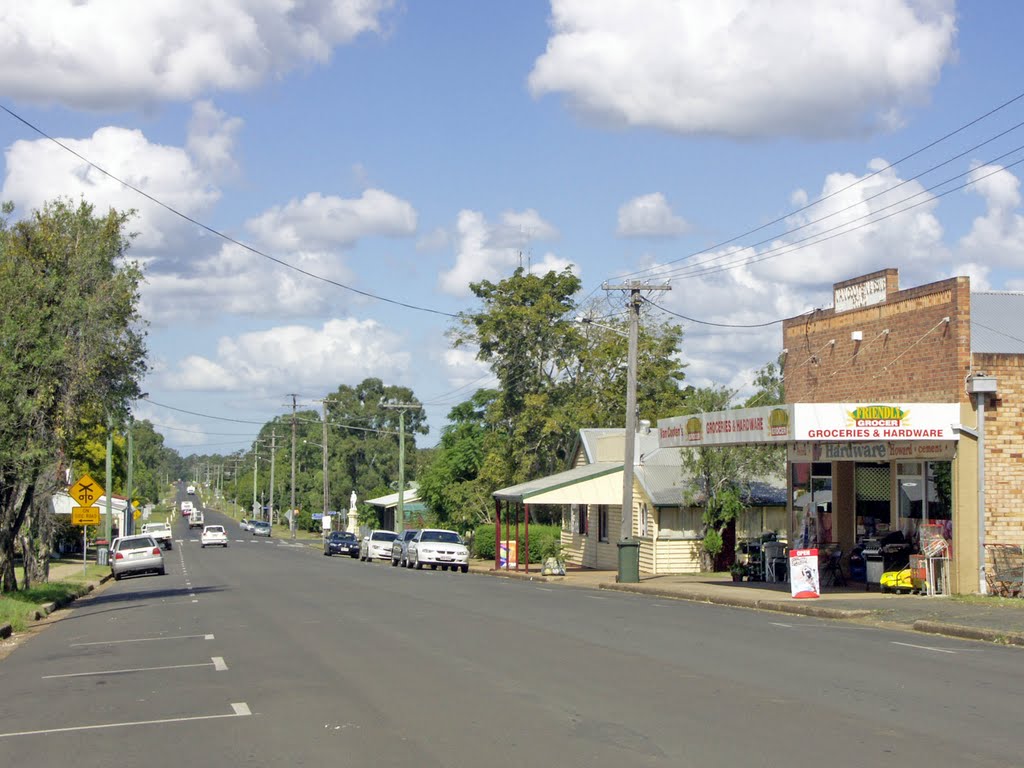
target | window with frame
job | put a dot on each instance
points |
(679, 522)
(582, 520)
(602, 522)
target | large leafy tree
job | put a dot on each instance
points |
(451, 485)
(555, 376)
(71, 348)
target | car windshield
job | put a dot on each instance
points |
(384, 536)
(445, 537)
(342, 536)
(138, 542)
(262, 525)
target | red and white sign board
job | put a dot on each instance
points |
(803, 573)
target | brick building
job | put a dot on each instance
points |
(904, 409)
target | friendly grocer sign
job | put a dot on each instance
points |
(822, 422)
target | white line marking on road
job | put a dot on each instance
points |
(218, 663)
(780, 624)
(595, 597)
(545, 589)
(195, 601)
(238, 710)
(127, 671)
(924, 647)
(144, 640)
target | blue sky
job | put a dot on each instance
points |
(406, 149)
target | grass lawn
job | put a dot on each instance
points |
(1016, 603)
(19, 608)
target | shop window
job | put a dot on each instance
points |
(812, 504)
(602, 522)
(939, 490)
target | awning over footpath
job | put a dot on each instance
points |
(597, 483)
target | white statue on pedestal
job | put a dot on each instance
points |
(353, 515)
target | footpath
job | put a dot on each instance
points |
(997, 620)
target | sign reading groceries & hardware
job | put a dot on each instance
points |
(813, 422)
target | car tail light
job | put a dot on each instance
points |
(119, 556)
(156, 550)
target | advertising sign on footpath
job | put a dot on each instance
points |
(507, 554)
(803, 573)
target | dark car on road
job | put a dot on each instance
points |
(341, 543)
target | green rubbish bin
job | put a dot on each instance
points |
(629, 561)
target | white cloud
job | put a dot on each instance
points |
(322, 222)
(486, 251)
(746, 68)
(238, 282)
(649, 216)
(107, 54)
(996, 238)
(295, 357)
(38, 171)
(211, 138)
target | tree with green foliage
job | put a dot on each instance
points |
(722, 476)
(72, 349)
(451, 485)
(555, 377)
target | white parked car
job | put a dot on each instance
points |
(213, 535)
(377, 545)
(434, 547)
(161, 533)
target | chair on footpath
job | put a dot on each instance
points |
(775, 565)
(832, 572)
(1007, 576)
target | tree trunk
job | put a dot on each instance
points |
(37, 542)
(13, 510)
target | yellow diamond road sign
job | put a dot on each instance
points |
(86, 491)
(135, 503)
(136, 515)
(85, 516)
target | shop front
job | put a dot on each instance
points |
(861, 477)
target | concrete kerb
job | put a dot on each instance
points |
(1000, 637)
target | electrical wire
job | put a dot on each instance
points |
(201, 415)
(708, 322)
(217, 232)
(816, 239)
(709, 249)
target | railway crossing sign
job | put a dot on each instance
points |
(86, 491)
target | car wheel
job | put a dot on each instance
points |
(465, 568)
(327, 553)
(433, 566)
(354, 555)
(162, 572)
(394, 561)
(169, 546)
(444, 567)
(117, 577)
(417, 564)
(202, 546)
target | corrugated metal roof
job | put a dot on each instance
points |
(997, 322)
(391, 500)
(576, 475)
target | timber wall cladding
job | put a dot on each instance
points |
(920, 359)
(1004, 449)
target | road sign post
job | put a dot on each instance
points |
(86, 492)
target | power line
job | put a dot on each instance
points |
(217, 232)
(839, 230)
(708, 322)
(202, 415)
(829, 196)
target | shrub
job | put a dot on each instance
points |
(544, 539)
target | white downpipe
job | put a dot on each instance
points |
(982, 583)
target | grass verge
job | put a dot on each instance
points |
(19, 608)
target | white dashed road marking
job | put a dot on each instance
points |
(238, 709)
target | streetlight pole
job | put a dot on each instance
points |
(273, 460)
(292, 515)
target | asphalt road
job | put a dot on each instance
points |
(269, 654)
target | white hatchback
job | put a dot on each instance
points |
(213, 535)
